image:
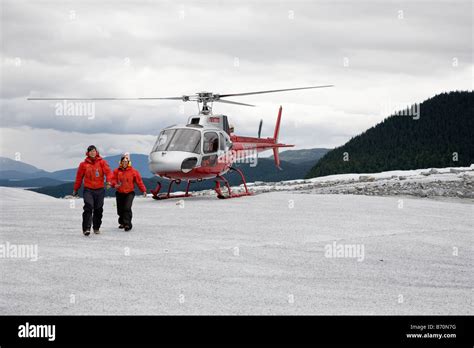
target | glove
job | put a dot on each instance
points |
(74, 193)
(107, 185)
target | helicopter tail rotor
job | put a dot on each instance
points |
(260, 128)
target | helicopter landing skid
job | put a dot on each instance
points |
(230, 194)
(160, 196)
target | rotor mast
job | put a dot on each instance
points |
(205, 98)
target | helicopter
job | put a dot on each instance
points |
(205, 148)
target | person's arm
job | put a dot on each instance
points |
(79, 177)
(109, 176)
(113, 183)
(139, 181)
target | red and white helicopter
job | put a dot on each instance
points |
(206, 147)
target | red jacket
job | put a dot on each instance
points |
(93, 171)
(124, 180)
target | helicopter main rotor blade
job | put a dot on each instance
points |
(232, 102)
(271, 91)
(169, 98)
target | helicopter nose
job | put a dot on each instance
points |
(172, 161)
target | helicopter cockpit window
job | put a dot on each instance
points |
(211, 142)
(188, 140)
(163, 140)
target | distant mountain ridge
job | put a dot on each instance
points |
(59, 183)
(442, 136)
(303, 155)
(8, 164)
(17, 170)
(264, 171)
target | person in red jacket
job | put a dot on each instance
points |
(124, 179)
(92, 170)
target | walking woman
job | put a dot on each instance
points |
(124, 179)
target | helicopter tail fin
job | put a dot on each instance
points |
(276, 155)
(277, 126)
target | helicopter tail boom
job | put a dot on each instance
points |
(277, 125)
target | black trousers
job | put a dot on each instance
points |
(124, 207)
(93, 208)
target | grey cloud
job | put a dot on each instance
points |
(144, 48)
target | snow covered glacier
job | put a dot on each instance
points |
(279, 252)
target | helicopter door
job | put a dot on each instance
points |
(222, 144)
(210, 148)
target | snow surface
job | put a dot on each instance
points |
(9, 194)
(431, 182)
(263, 254)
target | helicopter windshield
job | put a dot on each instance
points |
(188, 140)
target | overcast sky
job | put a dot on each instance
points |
(379, 55)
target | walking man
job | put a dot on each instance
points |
(92, 170)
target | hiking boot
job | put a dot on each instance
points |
(86, 232)
(127, 228)
(121, 226)
(97, 231)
